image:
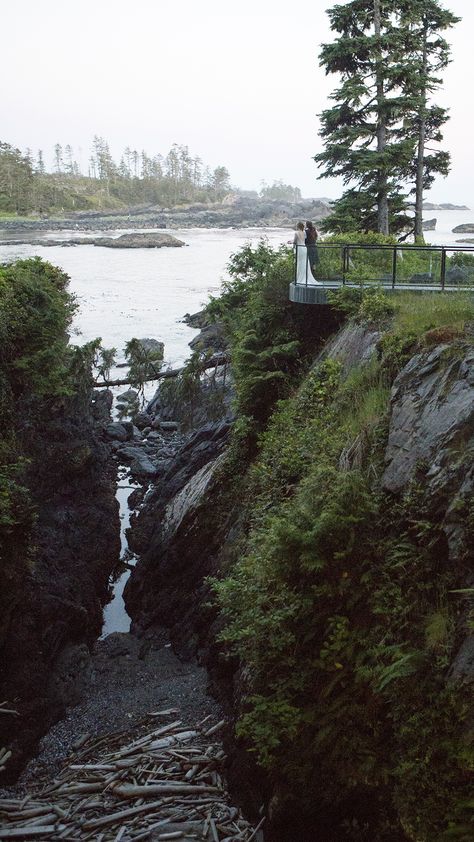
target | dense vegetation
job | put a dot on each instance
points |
(337, 599)
(26, 186)
(29, 186)
(382, 132)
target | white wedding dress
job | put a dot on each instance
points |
(304, 274)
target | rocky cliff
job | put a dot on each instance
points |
(419, 458)
(55, 611)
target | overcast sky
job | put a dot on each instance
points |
(238, 83)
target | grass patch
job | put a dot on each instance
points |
(415, 314)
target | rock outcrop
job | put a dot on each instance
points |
(431, 442)
(177, 539)
(57, 614)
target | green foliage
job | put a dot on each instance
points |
(387, 57)
(339, 607)
(143, 363)
(35, 314)
(195, 390)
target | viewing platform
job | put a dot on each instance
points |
(394, 268)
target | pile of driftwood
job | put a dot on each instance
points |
(166, 784)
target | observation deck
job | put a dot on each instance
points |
(394, 268)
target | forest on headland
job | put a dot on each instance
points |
(29, 187)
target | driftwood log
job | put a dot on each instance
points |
(212, 362)
(165, 783)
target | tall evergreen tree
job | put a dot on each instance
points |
(387, 54)
(427, 53)
(360, 131)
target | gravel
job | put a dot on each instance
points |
(129, 678)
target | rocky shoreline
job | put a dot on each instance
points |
(237, 212)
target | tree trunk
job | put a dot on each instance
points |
(382, 195)
(420, 159)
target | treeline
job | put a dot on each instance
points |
(27, 186)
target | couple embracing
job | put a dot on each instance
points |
(306, 253)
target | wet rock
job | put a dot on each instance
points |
(154, 436)
(116, 431)
(211, 338)
(101, 405)
(168, 426)
(128, 396)
(142, 420)
(177, 546)
(142, 468)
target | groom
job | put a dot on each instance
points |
(311, 235)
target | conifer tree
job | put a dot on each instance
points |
(427, 52)
(388, 55)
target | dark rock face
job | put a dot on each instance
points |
(176, 543)
(431, 439)
(429, 224)
(352, 346)
(58, 610)
(432, 414)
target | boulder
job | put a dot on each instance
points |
(118, 431)
(142, 420)
(143, 469)
(429, 224)
(465, 228)
(128, 396)
(153, 347)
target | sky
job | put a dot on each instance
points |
(239, 84)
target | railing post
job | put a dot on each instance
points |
(443, 267)
(394, 267)
(344, 262)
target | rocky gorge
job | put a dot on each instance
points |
(303, 528)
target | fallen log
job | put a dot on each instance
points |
(212, 362)
(130, 791)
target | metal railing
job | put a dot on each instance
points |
(391, 266)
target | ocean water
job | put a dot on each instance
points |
(125, 293)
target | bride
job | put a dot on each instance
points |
(304, 274)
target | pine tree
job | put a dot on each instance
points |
(387, 54)
(40, 167)
(58, 158)
(422, 23)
